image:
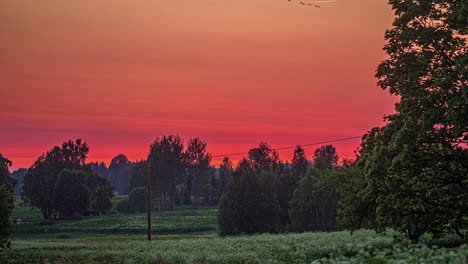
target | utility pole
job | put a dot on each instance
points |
(148, 194)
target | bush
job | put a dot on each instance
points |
(124, 207)
(137, 199)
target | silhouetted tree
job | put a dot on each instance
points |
(263, 157)
(138, 175)
(40, 181)
(325, 157)
(251, 204)
(197, 164)
(100, 168)
(71, 193)
(119, 173)
(166, 155)
(101, 193)
(5, 178)
(299, 164)
(313, 208)
(61, 184)
(225, 172)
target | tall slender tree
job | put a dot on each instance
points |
(165, 155)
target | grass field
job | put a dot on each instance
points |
(189, 222)
(189, 236)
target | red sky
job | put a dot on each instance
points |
(119, 73)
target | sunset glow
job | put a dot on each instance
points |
(234, 73)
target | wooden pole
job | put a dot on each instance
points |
(148, 193)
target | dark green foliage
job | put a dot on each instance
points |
(325, 157)
(6, 207)
(299, 164)
(99, 168)
(101, 193)
(225, 172)
(138, 175)
(124, 207)
(197, 167)
(42, 176)
(71, 193)
(119, 173)
(251, 204)
(263, 157)
(211, 192)
(6, 201)
(78, 189)
(313, 206)
(5, 178)
(138, 199)
(415, 169)
(166, 155)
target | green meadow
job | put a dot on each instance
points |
(189, 235)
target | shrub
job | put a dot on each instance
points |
(124, 207)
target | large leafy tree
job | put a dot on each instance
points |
(39, 182)
(71, 193)
(416, 167)
(60, 178)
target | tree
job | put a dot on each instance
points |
(299, 164)
(325, 157)
(100, 168)
(166, 155)
(251, 204)
(197, 163)
(314, 207)
(61, 184)
(119, 173)
(39, 182)
(101, 193)
(416, 166)
(5, 178)
(138, 175)
(6, 202)
(138, 199)
(71, 193)
(225, 172)
(263, 156)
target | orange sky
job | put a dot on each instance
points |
(118, 73)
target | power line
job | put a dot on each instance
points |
(291, 147)
(283, 148)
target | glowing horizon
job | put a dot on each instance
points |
(118, 74)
